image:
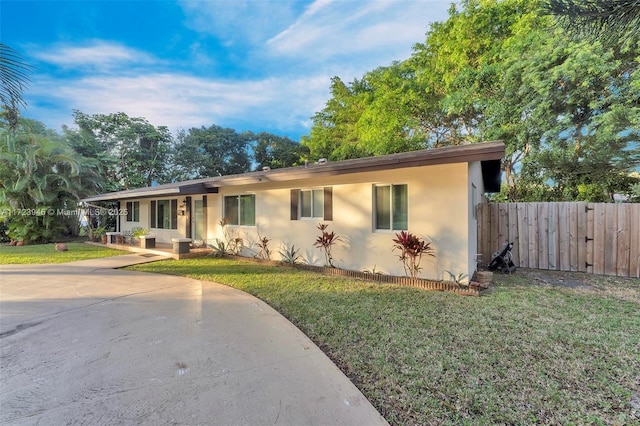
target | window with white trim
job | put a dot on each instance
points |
(391, 207)
(240, 209)
(133, 211)
(312, 203)
(164, 214)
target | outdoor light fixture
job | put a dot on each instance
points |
(182, 210)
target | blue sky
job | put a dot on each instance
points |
(249, 65)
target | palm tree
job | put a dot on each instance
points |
(14, 77)
(38, 176)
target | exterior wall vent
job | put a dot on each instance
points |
(266, 168)
(322, 161)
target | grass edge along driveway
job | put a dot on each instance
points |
(526, 353)
(46, 253)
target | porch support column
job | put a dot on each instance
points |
(188, 217)
(205, 220)
(118, 228)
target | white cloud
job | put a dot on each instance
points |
(339, 29)
(286, 51)
(199, 57)
(239, 21)
(96, 54)
(182, 101)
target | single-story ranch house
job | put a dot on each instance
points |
(431, 193)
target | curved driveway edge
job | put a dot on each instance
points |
(84, 344)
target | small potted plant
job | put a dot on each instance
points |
(142, 235)
(99, 232)
(95, 234)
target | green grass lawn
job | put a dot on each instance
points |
(527, 352)
(46, 253)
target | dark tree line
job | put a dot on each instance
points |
(42, 170)
(217, 151)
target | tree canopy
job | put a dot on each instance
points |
(567, 109)
(277, 152)
(211, 151)
(132, 153)
(607, 20)
(40, 174)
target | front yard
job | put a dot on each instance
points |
(46, 253)
(541, 347)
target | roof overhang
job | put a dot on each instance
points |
(168, 190)
(456, 154)
(488, 152)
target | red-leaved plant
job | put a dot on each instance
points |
(325, 241)
(411, 248)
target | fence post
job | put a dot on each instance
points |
(634, 241)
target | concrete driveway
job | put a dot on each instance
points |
(81, 343)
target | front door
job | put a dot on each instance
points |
(199, 232)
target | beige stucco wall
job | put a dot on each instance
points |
(439, 210)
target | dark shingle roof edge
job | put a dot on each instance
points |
(455, 154)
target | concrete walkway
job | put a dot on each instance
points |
(83, 343)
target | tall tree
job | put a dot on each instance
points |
(585, 98)
(333, 134)
(461, 65)
(276, 151)
(132, 152)
(14, 77)
(500, 69)
(435, 98)
(386, 125)
(211, 151)
(369, 116)
(40, 174)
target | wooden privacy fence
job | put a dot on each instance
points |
(599, 238)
